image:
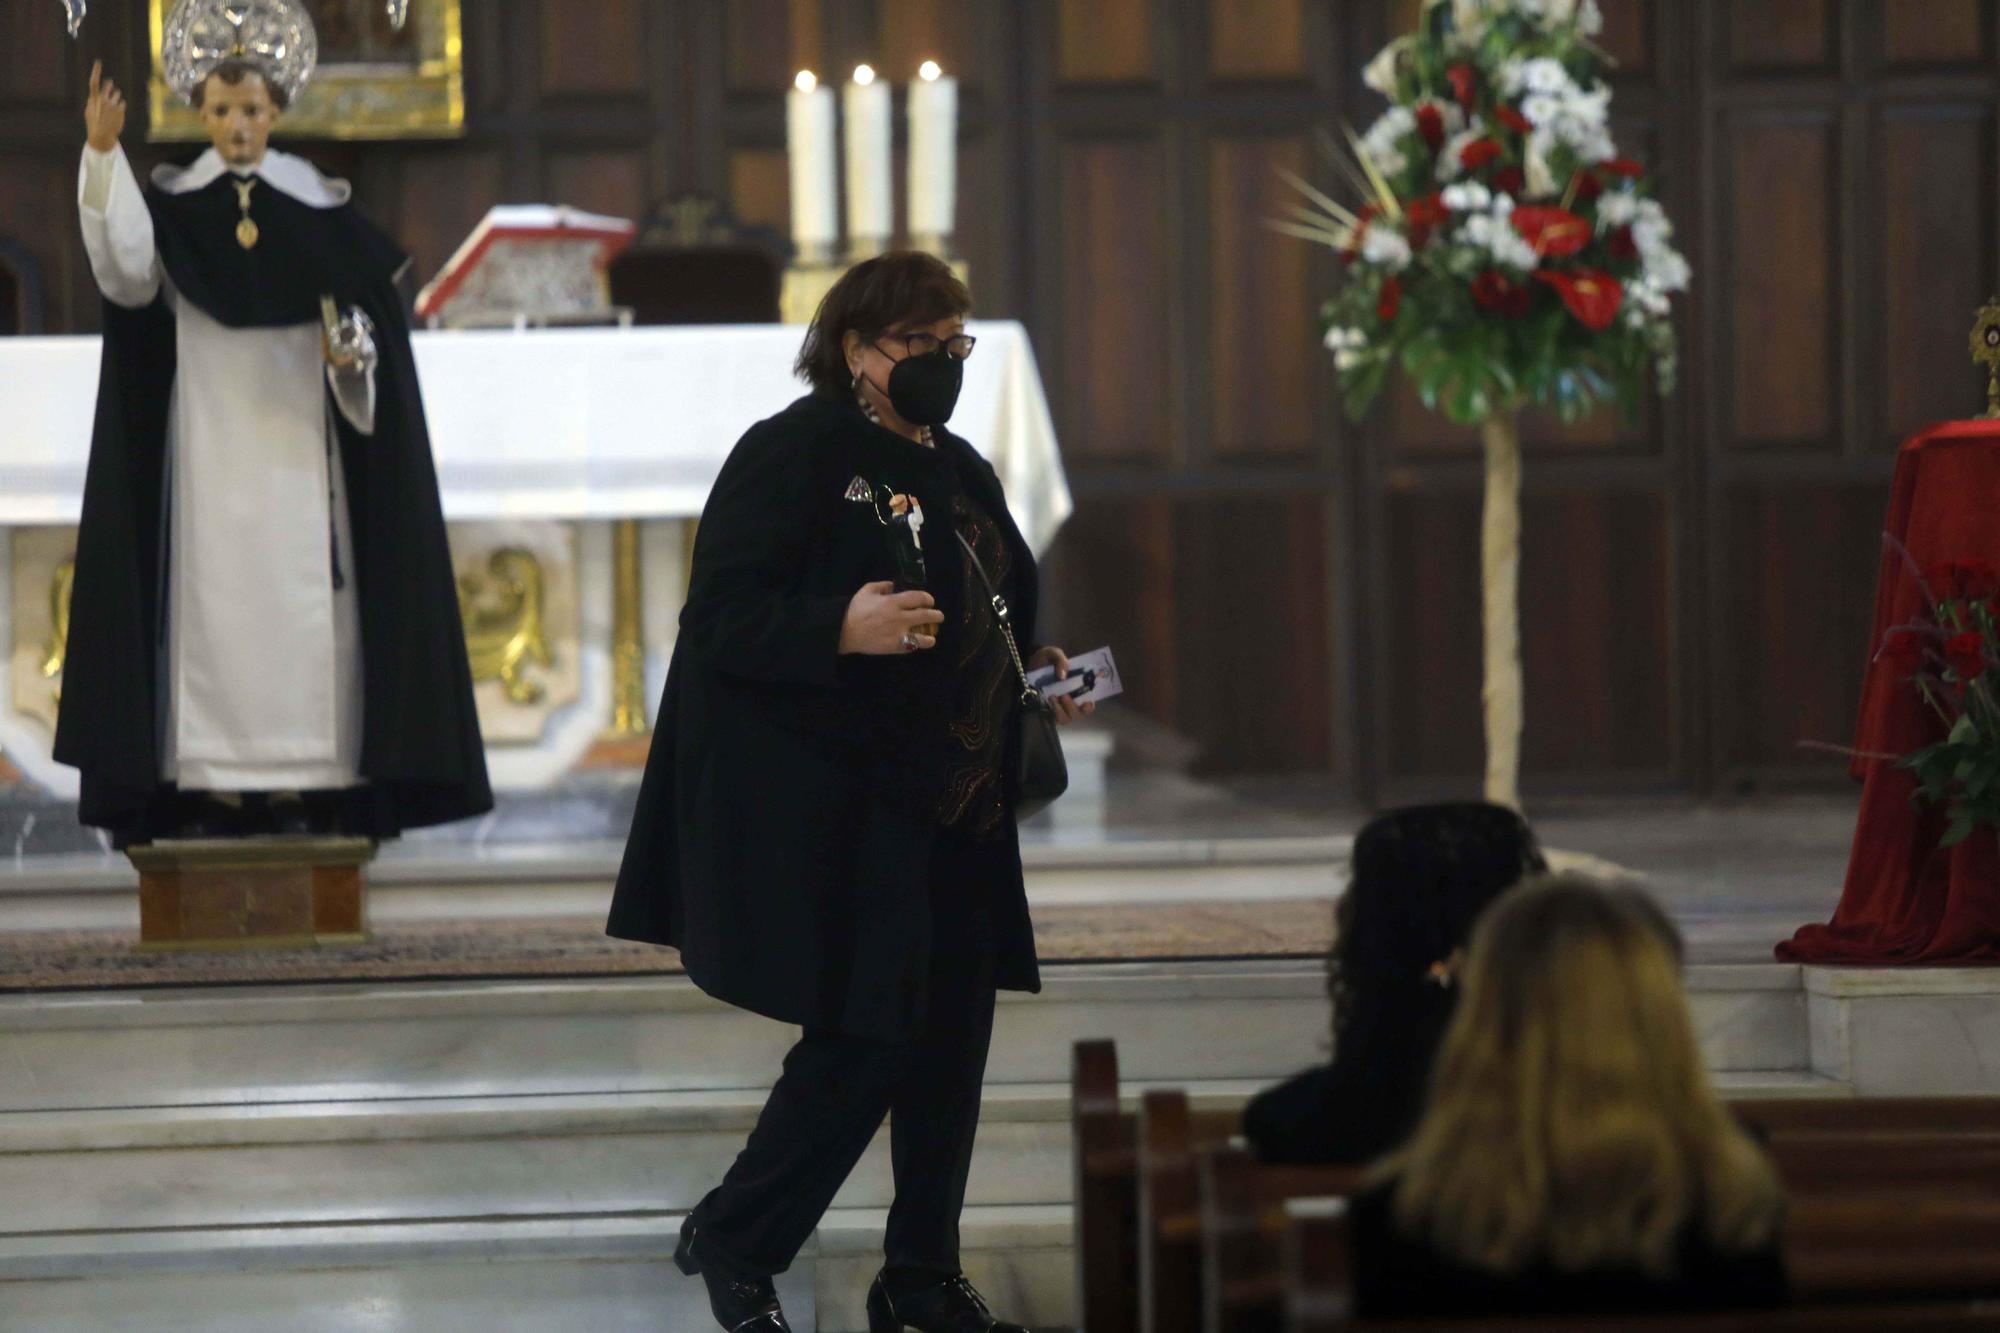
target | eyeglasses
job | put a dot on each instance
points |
(957, 347)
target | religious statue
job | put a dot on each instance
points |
(264, 631)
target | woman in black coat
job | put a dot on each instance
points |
(826, 827)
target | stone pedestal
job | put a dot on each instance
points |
(251, 892)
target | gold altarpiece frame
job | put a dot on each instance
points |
(361, 93)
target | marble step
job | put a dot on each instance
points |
(1174, 1022)
(423, 882)
(599, 1153)
(608, 1274)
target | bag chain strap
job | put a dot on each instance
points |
(1030, 696)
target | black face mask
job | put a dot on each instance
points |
(924, 389)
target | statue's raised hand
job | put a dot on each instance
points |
(104, 112)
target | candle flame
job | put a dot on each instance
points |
(929, 71)
(864, 75)
(805, 83)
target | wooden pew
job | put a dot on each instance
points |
(1869, 1263)
(1105, 1183)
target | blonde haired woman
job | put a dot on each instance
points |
(1572, 1157)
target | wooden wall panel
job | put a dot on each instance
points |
(1256, 39)
(767, 42)
(593, 48)
(909, 32)
(608, 181)
(1937, 32)
(760, 188)
(1251, 596)
(35, 57)
(1117, 359)
(1628, 34)
(1780, 283)
(1799, 596)
(1791, 33)
(1937, 262)
(1104, 41)
(442, 197)
(1110, 579)
(1263, 353)
(1598, 660)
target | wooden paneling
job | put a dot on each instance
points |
(35, 57)
(760, 187)
(909, 32)
(612, 182)
(442, 198)
(1110, 578)
(1117, 358)
(1597, 656)
(1262, 352)
(1256, 39)
(1780, 33)
(593, 48)
(1780, 284)
(1628, 34)
(1937, 262)
(767, 42)
(1937, 32)
(1251, 596)
(1104, 41)
(1799, 595)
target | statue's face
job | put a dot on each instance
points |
(239, 117)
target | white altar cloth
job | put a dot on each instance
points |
(565, 423)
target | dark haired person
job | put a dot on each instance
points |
(1421, 878)
(826, 826)
(264, 631)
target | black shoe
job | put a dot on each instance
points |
(291, 818)
(211, 818)
(951, 1306)
(740, 1305)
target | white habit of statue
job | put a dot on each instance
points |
(263, 662)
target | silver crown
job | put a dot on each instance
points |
(73, 14)
(276, 37)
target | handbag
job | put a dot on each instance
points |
(1041, 772)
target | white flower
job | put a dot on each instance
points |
(1589, 18)
(1468, 17)
(1494, 233)
(1540, 109)
(1338, 338)
(1380, 73)
(1450, 162)
(1386, 247)
(1541, 181)
(1467, 197)
(1617, 208)
(1545, 74)
(1667, 269)
(1383, 141)
(1449, 114)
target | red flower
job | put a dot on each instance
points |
(1621, 245)
(1426, 214)
(1967, 655)
(1492, 291)
(1478, 153)
(1512, 119)
(1904, 652)
(1555, 232)
(1963, 580)
(1390, 301)
(1463, 82)
(1591, 296)
(1364, 216)
(1430, 124)
(1622, 166)
(1587, 186)
(1509, 180)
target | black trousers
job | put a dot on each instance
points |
(835, 1089)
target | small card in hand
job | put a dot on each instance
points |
(1093, 678)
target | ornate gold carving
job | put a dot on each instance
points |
(56, 652)
(502, 612)
(628, 634)
(424, 99)
(1986, 351)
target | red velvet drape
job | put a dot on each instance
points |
(1905, 900)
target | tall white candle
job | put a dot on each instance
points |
(933, 154)
(809, 148)
(871, 216)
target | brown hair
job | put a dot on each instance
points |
(1571, 1119)
(876, 296)
(233, 72)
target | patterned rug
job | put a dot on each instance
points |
(578, 947)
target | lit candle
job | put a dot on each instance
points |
(809, 146)
(870, 210)
(933, 156)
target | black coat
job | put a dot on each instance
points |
(783, 831)
(422, 759)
